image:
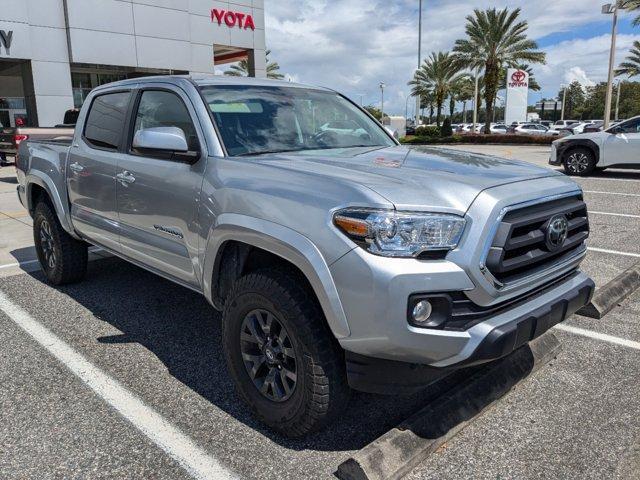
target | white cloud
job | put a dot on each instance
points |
(352, 45)
(577, 74)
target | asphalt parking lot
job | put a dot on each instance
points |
(122, 376)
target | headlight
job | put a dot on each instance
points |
(398, 234)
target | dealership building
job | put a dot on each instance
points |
(53, 52)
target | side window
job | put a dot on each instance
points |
(159, 108)
(105, 122)
(631, 126)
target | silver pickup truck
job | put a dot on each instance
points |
(339, 258)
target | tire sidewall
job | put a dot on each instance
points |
(43, 212)
(277, 414)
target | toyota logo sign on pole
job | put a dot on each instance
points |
(517, 96)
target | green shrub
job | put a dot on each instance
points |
(446, 130)
(428, 131)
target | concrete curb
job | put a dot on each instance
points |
(611, 294)
(398, 451)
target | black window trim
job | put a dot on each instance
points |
(131, 124)
(120, 147)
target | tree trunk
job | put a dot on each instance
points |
(464, 111)
(430, 114)
(438, 113)
(452, 106)
(492, 72)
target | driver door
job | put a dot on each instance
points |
(622, 146)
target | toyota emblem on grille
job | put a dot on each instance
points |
(557, 230)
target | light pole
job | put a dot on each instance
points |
(475, 103)
(609, 9)
(618, 99)
(406, 108)
(382, 102)
(564, 98)
(419, 59)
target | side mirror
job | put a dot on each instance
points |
(164, 139)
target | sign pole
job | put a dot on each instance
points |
(612, 55)
(418, 100)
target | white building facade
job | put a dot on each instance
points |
(53, 52)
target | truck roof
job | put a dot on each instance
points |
(203, 80)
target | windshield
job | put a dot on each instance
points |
(255, 120)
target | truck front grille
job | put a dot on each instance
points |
(523, 243)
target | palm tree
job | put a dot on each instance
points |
(465, 90)
(438, 74)
(495, 39)
(241, 69)
(633, 5)
(631, 65)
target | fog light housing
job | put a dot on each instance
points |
(429, 311)
(422, 311)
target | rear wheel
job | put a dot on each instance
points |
(579, 161)
(280, 353)
(63, 258)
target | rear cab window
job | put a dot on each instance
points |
(104, 127)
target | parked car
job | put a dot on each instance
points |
(338, 260)
(11, 137)
(496, 128)
(564, 123)
(581, 154)
(533, 129)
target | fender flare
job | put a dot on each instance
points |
(285, 243)
(36, 177)
(579, 142)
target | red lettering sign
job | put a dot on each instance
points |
(232, 18)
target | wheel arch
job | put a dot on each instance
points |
(237, 239)
(584, 143)
(38, 185)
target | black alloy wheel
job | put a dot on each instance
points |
(268, 355)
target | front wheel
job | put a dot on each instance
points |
(63, 258)
(281, 355)
(580, 162)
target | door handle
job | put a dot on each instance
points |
(76, 167)
(125, 178)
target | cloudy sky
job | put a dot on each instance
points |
(353, 45)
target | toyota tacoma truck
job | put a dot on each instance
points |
(339, 259)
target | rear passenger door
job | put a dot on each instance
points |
(92, 164)
(158, 192)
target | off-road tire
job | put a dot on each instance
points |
(321, 392)
(71, 255)
(579, 161)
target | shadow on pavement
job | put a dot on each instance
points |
(182, 330)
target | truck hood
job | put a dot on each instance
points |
(412, 179)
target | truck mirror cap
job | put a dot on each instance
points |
(166, 139)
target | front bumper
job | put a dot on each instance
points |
(554, 158)
(497, 340)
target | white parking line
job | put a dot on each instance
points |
(608, 179)
(21, 264)
(628, 215)
(199, 463)
(599, 336)
(614, 252)
(600, 192)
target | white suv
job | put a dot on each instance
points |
(618, 146)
